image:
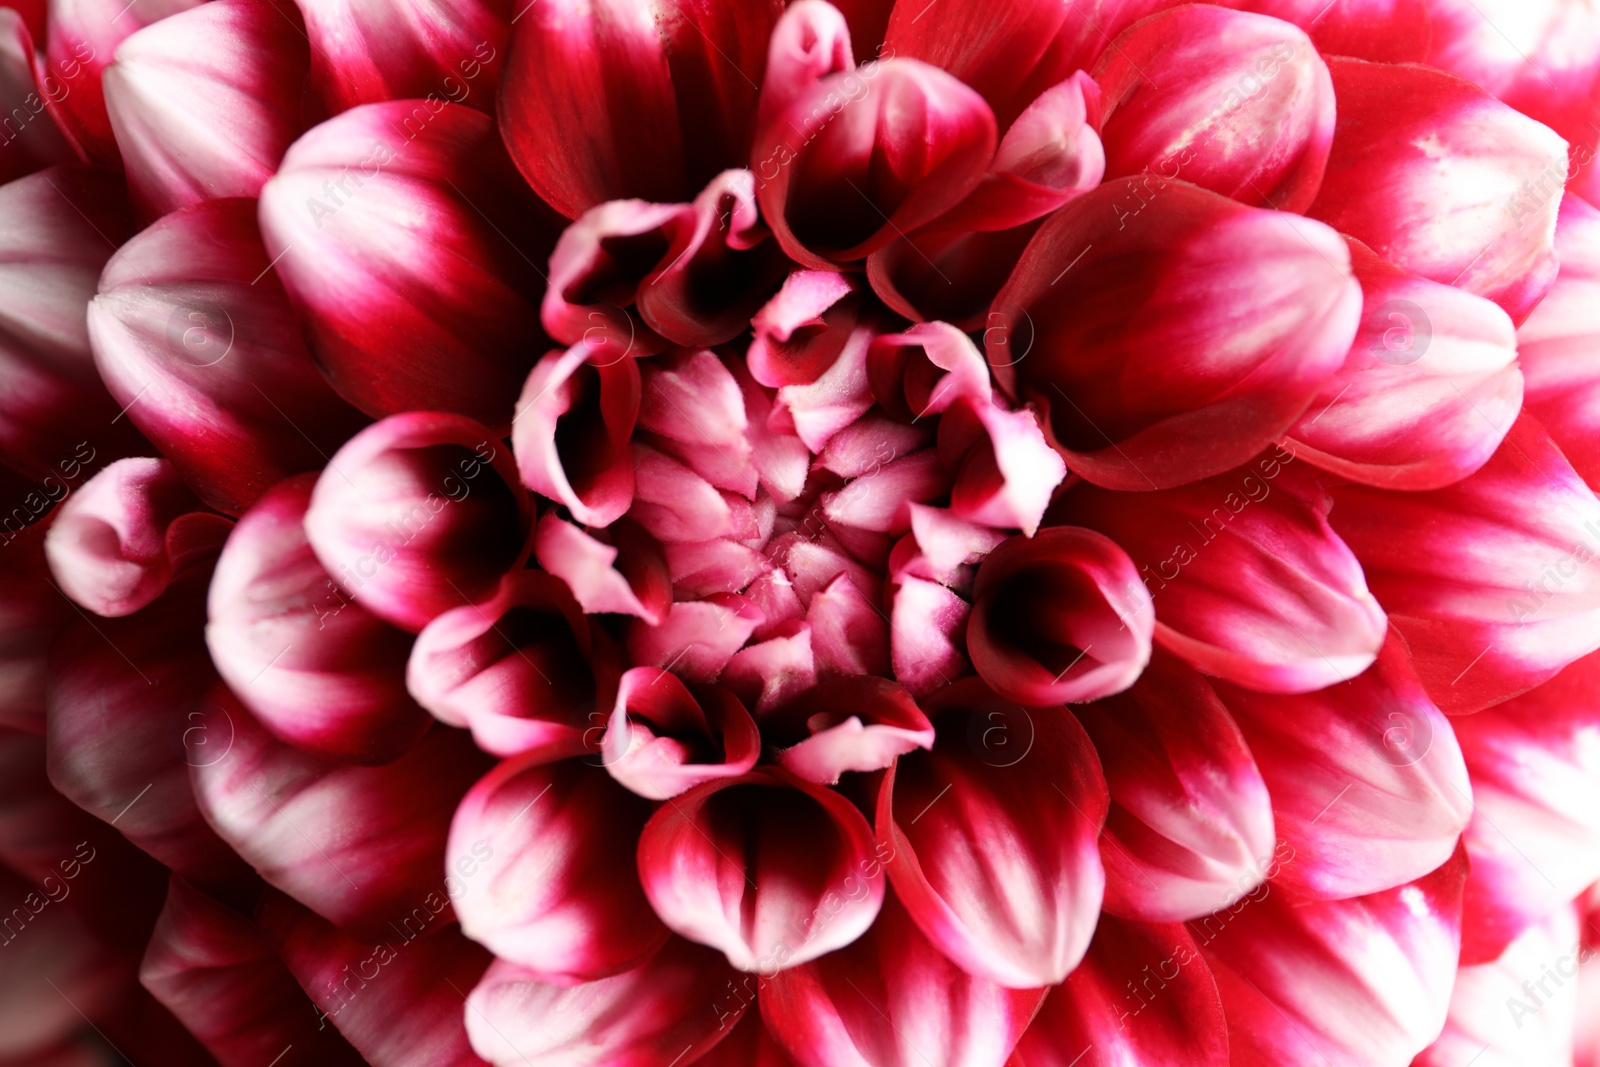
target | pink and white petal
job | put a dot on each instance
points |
(1003, 469)
(627, 574)
(927, 635)
(847, 724)
(664, 739)
(571, 432)
(697, 638)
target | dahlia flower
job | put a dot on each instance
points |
(914, 533)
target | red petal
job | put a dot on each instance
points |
(1216, 328)
(548, 881)
(571, 433)
(994, 854)
(1190, 827)
(1098, 1018)
(1237, 103)
(1384, 31)
(414, 255)
(768, 868)
(625, 98)
(892, 1000)
(1486, 578)
(418, 513)
(194, 338)
(1444, 181)
(1368, 787)
(1250, 582)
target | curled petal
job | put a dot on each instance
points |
(1490, 579)
(515, 669)
(1191, 355)
(863, 155)
(1390, 956)
(1444, 181)
(810, 42)
(215, 971)
(205, 103)
(1555, 344)
(1058, 618)
(194, 338)
(697, 638)
(1190, 828)
(117, 542)
(800, 332)
(595, 272)
(417, 513)
(775, 669)
(892, 999)
(926, 369)
(941, 545)
(411, 250)
(1534, 831)
(632, 98)
(395, 1000)
(992, 836)
(808, 880)
(1427, 391)
(1368, 786)
(537, 890)
(927, 635)
(571, 433)
(841, 394)
(946, 272)
(1098, 1014)
(1237, 103)
(849, 724)
(626, 574)
(664, 739)
(1251, 584)
(675, 1004)
(366, 51)
(316, 668)
(1004, 470)
(361, 846)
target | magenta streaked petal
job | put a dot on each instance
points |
(205, 103)
(692, 407)
(418, 513)
(1384, 31)
(1058, 618)
(941, 543)
(781, 460)
(992, 836)
(804, 880)
(118, 541)
(800, 332)
(848, 724)
(673, 502)
(1434, 174)
(664, 739)
(810, 42)
(673, 1007)
(892, 999)
(1368, 785)
(361, 846)
(535, 889)
(410, 249)
(1190, 828)
(625, 574)
(880, 498)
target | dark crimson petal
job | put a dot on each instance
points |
(1490, 579)
(205, 103)
(947, 274)
(671, 1008)
(1212, 332)
(1251, 584)
(769, 868)
(398, 1001)
(215, 971)
(1237, 103)
(116, 544)
(316, 668)
(549, 879)
(414, 254)
(574, 420)
(863, 156)
(1294, 973)
(1098, 1017)
(193, 336)
(632, 98)
(1190, 826)
(1555, 346)
(1368, 786)
(990, 839)
(366, 51)
(1059, 618)
(361, 846)
(1444, 181)
(1427, 391)
(1535, 830)
(892, 999)
(32, 611)
(419, 513)
(63, 223)
(595, 273)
